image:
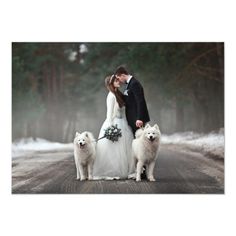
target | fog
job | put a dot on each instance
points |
(55, 95)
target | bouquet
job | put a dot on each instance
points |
(112, 133)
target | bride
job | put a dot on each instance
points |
(113, 160)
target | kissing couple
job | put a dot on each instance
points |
(129, 112)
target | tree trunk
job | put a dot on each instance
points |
(61, 78)
(54, 83)
(179, 116)
(220, 54)
(46, 83)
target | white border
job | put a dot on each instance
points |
(157, 21)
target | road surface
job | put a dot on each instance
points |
(176, 172)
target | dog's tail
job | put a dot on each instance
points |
(139, 132)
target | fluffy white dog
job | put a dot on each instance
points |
(145, 149)
(84, 154)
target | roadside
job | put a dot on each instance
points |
(210, 145)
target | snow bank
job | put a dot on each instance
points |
(30, 146)
(211, 144)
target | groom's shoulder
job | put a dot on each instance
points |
(135, 81)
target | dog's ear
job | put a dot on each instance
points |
(77, 134)
(147, 126)
(86, 134)
(156, 126)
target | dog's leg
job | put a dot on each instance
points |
(139, 170)
(147, 170)
(150, 171)
(85, 168)
(77, 171)
(77, 168)
(132, 166)
(82, 174)
(90, 171)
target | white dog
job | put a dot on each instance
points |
(145, 149)
(84, 154)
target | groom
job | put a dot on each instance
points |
(136, 107)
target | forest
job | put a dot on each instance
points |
(58, 88)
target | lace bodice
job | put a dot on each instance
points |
(120, 112)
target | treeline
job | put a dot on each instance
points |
(56, 86)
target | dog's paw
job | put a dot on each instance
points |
(138, 179)
(83, 179)
(90, 178)
(152, 179)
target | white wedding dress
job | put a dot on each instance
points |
(113, 160)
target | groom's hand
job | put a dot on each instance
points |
(139, 123)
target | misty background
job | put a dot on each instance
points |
(58, 88)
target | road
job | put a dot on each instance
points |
(176, 171)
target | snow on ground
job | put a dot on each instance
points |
(211, 144)
(29, 146)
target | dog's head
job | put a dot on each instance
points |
(83, 139)
(152, 133)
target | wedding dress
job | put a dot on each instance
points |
(113, 160)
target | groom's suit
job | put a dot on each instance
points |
(136, 107)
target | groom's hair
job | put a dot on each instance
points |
(121, 70)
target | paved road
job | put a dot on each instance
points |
(176, 172)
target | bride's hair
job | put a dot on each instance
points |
(109, 83)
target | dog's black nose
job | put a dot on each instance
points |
(151, 138)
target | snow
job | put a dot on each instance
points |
(30, 146)
(210, 144)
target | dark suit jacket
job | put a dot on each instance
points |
(136, 107)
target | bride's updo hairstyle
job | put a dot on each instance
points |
(109, 83)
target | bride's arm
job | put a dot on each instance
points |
(110, 108)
